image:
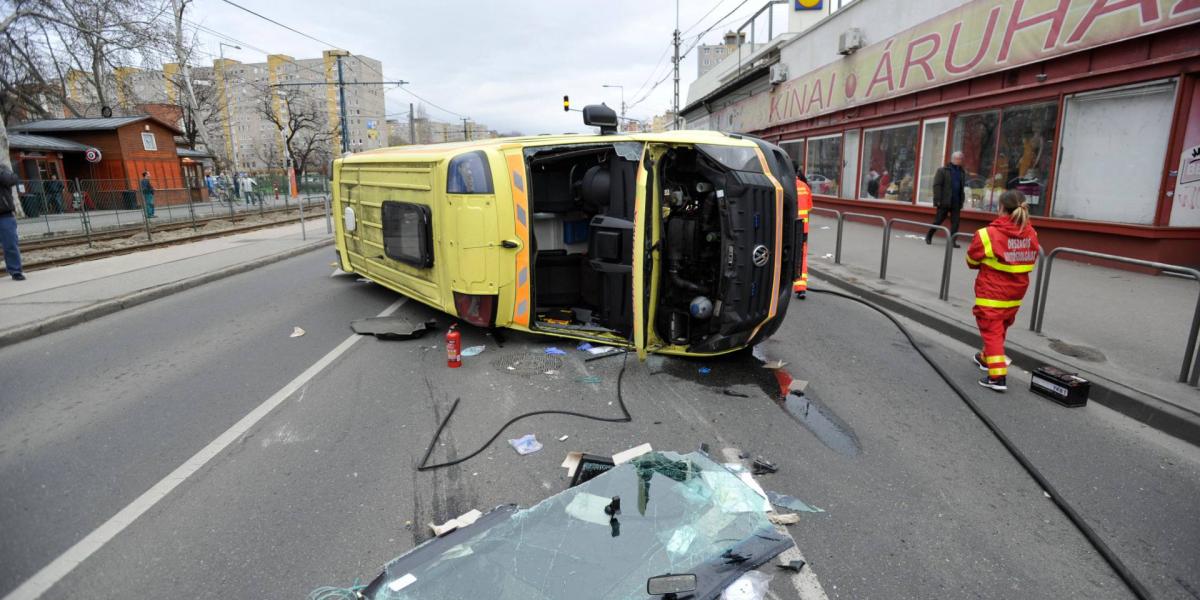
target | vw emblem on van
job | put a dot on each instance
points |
(760, 255)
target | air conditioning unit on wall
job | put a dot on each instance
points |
(779, 73)
(851, 40)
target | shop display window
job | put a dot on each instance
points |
(975, 137)
(849, 163)
(933, 151)
(889, 163)
(795, 150)
(824, 168)
(1026, 151)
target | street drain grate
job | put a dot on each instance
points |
(527, 364)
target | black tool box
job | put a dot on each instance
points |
(1067, 389)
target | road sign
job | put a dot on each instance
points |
(92, 155)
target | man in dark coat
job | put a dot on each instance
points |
(948, 195)
(8, 224)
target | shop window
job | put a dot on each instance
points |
(795, 151)
(975, 137)
(407, 233)
(933, 151)
(1098, 181)
(889, 163)
(1026, 153)
(824, 167)
(850, 162)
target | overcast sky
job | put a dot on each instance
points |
(504, 64)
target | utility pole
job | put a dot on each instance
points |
(412, 128)
(341, 83)
(675, 39)
(466, 129)
(622, 100)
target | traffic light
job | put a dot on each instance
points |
(566, 103)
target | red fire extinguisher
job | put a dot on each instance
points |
(453, 348)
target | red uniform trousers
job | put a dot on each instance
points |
(993, 327)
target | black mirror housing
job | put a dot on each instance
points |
(664, 585)
(599, 115)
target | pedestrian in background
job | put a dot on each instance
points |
(148, 194)
(8, 224)
(948, 195)
(1004, 253)
(54, 191)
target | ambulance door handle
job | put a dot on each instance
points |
(511, 244)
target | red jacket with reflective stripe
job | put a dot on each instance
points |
(1005, 255)
(803, 198)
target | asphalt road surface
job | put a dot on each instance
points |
(319, 484)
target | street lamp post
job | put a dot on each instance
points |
(622, 88)
(225, 85)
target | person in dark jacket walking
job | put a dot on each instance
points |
(948, 184)
(148, 194)
(8, 224)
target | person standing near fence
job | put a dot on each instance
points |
(948, 195)
(1004, 253)
(148, 194)
(54, 192)
(8, 224)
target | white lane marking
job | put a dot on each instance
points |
(60, 567)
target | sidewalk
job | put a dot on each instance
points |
(1125, 331)
(58, 298)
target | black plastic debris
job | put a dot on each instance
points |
(394, 327)
(734, 393)
(763, 466)
(792, 565)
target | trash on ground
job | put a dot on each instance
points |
(601, 350)
(473, 350)
(526, 444)
(763, 466)
(774, 365)
(798, 386)
(563, 438)
(752, 585)
(705, 370)
(584, 346)
(589, 379)
(735, 393)
(792, 565)
(827, 255)
(791, 503)
(460, 521)
(403, 582)
(824, 227)
(394, 327)
(632, 453)
(552, 351)
(784, 518)
(582, 467)
(297, 332)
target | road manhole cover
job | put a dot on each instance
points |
(527, 363)
(1083, 352)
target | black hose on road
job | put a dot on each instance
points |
(1072, 515)
(625, 418)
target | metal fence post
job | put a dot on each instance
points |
(328, 216)
(1037, 286)
(83, 213)
(303, 228)
(887, 243)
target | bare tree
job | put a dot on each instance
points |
(302, 121)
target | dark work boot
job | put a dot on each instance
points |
(999, 384)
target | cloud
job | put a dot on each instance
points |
(504, 64)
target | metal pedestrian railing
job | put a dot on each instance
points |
(944, 290)
(1190, 365)
(83, 208)
(1189, 371)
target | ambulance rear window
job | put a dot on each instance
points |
(469, 174)
(407, 233)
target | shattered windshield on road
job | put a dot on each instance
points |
(678, 514)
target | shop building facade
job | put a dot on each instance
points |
(1089, 107)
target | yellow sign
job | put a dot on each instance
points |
(978, 37)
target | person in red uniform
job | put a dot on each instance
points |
(1004, 253)
(803, 206)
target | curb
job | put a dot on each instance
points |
(1147, 409)
(66, 320)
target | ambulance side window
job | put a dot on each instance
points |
(469, 174)
(408, 233)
